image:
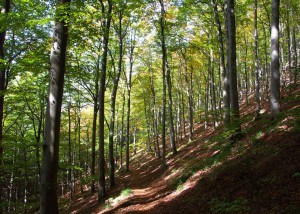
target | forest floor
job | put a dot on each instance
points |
(258, 174)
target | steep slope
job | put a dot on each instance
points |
(259, 174)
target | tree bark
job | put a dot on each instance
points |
(132, 46)
(162, 37)
(122, 132)
(257, 82)
(6, 8)
(107, 12)
(275, 74)
(48, 194)
(231, 33)
(225, 85)
(168, 78)
(94, 129)
(71, 187)
(189, 96)
(155, 119)
(113, 103)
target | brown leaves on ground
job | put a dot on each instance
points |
(260, 174)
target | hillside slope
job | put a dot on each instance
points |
(259, 174)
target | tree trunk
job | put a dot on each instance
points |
(257, 82)
(106, 24)
(80, 152)
(113, 105)
(155, 119)
(162, 37)
(168, 78)
(266, 56)
(295, 55)
(275, 74)
(71, 187)
(231, 33)
(189, 95)
(132, 46)
(226, 100)
(172, 132)
(48, 194)
(94, 129)
(122, 132)
(288, 34)
(212, 89)
(6, 5)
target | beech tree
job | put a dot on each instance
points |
(231, 58)
(164, 69)
(5, 7)
(48, 194)
(275, 75)
(106, 8)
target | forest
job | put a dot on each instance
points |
(155, 106)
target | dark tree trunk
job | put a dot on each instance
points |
(6, 6)
(168, 78)
(106, 28)
(94, 129)
(231, 33)
(113, 103)
(48, 194)
(162, 37)
(275, 74)
(71, 187)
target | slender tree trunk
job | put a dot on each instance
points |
(162, 37)
(246, 71)
(132, 46)
(122, 132)
(155, 119)
(212, 88)
(6, 8)
(168, 78)
(80, 152)
(147, 121)
(172, 131)
(48, 194)
(71, 187)
(275, 74)
(179, 128)
(234, 99)
(295, 55)
(94, 129)
(225, 86)
(206, 124)
(106, 24)
(113, 104)
(257, 82)
(189, 95)
(288, 34)
(266, 64)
